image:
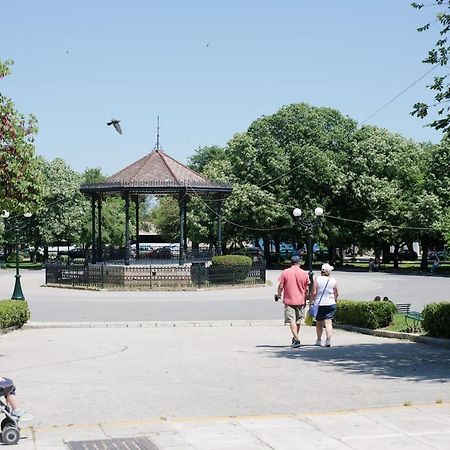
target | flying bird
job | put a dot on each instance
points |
(115, 122)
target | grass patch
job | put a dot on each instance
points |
(398, 324)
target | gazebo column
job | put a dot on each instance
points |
(136, 203)
(93, 256)
(182, 203)
(186, 198)
(99, 217)
(219, 227)
(127, 229)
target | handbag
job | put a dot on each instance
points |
(314, 308)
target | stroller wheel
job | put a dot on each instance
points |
(10, 435)
(7, 422)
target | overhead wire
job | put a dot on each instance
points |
(329, 216)
(399, 94)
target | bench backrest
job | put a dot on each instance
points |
(403, 308)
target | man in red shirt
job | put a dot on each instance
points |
(293, 285)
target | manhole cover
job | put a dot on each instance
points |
(140, 443)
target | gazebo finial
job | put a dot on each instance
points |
(157, 134)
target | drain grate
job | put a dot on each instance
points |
(139, 443)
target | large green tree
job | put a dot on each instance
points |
(437, 56)
(20, 178)
(295, 157)
(386, 175)
(63, 207)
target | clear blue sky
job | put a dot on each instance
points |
(208, 69)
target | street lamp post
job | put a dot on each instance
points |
(309, 224)
(17, 293)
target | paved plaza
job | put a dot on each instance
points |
(203, 383)
(255, 303)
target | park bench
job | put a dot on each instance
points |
(412, 318)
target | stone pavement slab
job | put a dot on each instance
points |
(360, 429)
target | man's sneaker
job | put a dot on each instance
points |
(20, 414)
(327, 343)
(319, 343)
(295, 343)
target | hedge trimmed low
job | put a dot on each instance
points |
(229, 269)
(365, 314)
(13, 313)
(232, 260)
(436, 319)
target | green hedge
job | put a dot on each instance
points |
(436, 319)
(365, 314)
(13, 313)
(232, 260)
(229, 269)
(12, 258)
(25, 265)
(79, 261)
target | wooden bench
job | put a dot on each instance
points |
(412, 318)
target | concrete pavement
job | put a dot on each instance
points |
(233, 385)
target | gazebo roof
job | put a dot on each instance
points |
(156, 173)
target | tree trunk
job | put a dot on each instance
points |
(424, 261)
(267, 250)
(396, 247)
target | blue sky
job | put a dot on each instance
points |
(208, 69)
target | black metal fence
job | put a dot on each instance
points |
(195, 275)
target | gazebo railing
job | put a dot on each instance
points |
(175, 276)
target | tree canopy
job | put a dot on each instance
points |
(437, 56)
(20, 178)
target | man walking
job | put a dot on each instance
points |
(293, 284)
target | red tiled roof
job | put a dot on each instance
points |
(157, 166)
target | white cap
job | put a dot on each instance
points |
(327, 268)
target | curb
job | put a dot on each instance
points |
(156, 324)
(438, 342)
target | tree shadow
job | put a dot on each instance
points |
(406, 360)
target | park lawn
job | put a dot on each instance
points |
(398, 324)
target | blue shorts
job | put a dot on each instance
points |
(326, 312)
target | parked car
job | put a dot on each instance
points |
(287, 250)
(161, 253)
(321, 255)
(441, 254)
(407, 255)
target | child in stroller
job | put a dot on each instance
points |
(9, 425)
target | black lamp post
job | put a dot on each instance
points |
(17, 293)
(309, 224)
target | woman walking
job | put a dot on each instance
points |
(325, 293)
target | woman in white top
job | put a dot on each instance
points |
(325, 292)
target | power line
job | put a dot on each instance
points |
(401, 93)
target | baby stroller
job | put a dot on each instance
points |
(9, 425)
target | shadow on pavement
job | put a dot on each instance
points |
(413, 361)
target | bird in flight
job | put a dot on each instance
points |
(115, 122)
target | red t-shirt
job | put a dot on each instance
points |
(295, 281)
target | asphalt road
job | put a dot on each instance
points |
(254, 303)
